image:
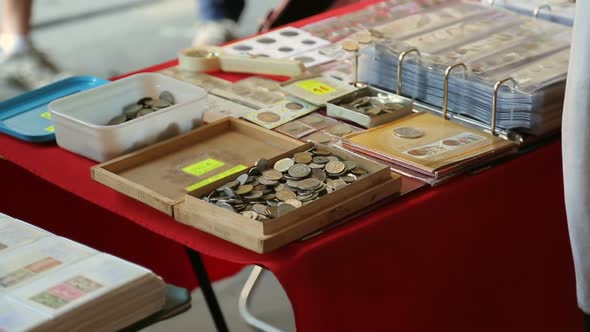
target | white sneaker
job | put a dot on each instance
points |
(215, 32)
(30, 70)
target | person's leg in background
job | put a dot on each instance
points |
(19, 61)
(218, 21)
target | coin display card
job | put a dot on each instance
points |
(15, 233)
(219, 108)
(312, 58)
(281, 43)
(424, 142)
(160, 175)
(330, 178)
(295, 129)
(332, 134)
(205, 81)
(251, 95)
(280, 113)
(318, 121)
(318, 89)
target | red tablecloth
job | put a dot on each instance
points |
(488, 252)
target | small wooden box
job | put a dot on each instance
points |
(156, 174)
(193, 204)
(340, 211)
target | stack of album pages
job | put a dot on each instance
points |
(48, 283)
(486, 45)
(559, 11)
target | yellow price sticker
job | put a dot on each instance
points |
(50, 129)
(203, 167)
(46, 115)
(315, 87)
(214, 178)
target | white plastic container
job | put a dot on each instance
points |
(80, 120)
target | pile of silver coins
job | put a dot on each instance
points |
(374, 105)
(269, 191)
(143, 106)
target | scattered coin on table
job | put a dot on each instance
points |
(270, 190)
(142, 107)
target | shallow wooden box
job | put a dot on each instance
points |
(154, 175)
(263, 237)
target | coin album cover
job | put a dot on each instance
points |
(426, 142)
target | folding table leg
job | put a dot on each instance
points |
(250, 286)
(205, 283)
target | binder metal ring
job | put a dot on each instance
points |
(538, 9)
(400, 60)
(495, 101)
(446, 86)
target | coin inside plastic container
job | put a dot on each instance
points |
(408, 132)
(167, 95)
(131, 110)
(117, 120)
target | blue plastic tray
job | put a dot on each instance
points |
(27, 116)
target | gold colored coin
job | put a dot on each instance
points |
(268, 117)
(284, 164)
(294, 202)
(244, 189)
(272, 175)
(335, 167)
(285, 195)
(350, 45)
(303, 157)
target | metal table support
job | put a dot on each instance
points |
(205, 283)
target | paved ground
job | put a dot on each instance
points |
(109, 37)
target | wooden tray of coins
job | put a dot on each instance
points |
(287, 197)
(160, 175)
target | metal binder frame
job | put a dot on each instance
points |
(497, 86)
(538, 9)
(476, 124)
(400, 61)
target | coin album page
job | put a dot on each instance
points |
(486, 46)
(15, 316)
(33, 260)
(15, 233)
(99, 274)
(425, 142)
